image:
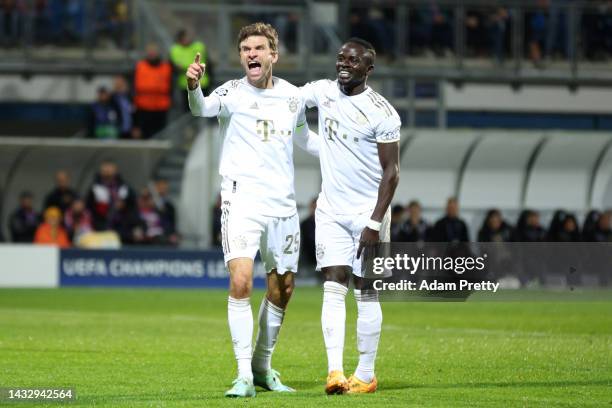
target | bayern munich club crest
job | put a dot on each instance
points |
(320, 251)
(240, 242)
(293, 104)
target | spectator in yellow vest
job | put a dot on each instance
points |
(182, 54)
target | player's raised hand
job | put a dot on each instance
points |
(195, 72)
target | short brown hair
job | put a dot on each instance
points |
(262, 29)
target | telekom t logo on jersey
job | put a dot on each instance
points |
(331, 128)
(266, 128)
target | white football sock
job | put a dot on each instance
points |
(333, 319)
(240, 318)
(369, 322)
(270, 320)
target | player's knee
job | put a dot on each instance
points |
(338, 279)
(273, 292)
(337, 274)
(365, 285)
(287, 291)
(241, 287)
(241, 292)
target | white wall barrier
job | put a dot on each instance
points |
(29, 266)
(35, 266)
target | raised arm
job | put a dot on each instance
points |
(198, 104)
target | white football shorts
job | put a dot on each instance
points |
(337, 236)
(244, 231)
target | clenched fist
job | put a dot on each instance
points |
(195, 73)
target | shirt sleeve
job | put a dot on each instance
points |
(218, 103)
(301, 119)
(201, 106)
(388, 130)
(309, 94)
(307, 140)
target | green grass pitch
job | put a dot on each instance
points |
(141, 347)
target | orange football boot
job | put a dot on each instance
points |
(336, 383)
(356, 386)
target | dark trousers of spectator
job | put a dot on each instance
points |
(10, 27)
(185, 101)
(497, 36)
(556, 37)
(151, 122)
(441, 37)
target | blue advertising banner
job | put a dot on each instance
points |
(148, 267)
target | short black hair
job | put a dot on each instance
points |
(365, 44)
(180, 34)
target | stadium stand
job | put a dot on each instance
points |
(441, 70)
(33, 162)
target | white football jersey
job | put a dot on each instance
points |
(258, 126)
(350, 128)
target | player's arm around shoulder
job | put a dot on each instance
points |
(305, 138)
(311, 91)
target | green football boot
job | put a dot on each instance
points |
(271, 381)
(241, 388)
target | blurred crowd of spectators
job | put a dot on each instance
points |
(65, 22)
(487, 30)
(407, 225)
(140, 110)
(431, 26)
(110, 212)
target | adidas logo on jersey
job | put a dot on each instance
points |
(328, 102)
(254, 106)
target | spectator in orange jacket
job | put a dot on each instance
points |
(152, 92)
(50, 231)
